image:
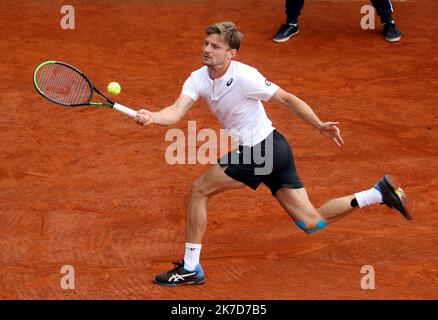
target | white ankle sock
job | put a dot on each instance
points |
(191, 257)
(368, 197)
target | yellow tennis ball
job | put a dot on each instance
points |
(114, 88)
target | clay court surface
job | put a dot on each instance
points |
(91, 189)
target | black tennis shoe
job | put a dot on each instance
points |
(179, 276)
(286, 31)
(393, 195)
(391, 32)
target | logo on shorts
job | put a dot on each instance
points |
(267, 82)
(229, 82)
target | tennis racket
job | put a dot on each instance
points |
(67, 86)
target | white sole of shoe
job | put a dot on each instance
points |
(393, 40)
(285, 39)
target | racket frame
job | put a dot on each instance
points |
(92, 87)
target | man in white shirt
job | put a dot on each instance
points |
(234, 92)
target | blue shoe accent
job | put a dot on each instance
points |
(179, 276)
(200, 272)
(377, 187)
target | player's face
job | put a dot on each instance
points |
(216, 51)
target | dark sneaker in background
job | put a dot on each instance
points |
(286, 31)
(391, 32)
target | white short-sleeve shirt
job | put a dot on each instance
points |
(235, 99)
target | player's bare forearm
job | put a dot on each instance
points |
(302, 110)
(166, 116)
(298, 106)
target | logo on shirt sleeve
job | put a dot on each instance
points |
(267, 82)
(229, 82)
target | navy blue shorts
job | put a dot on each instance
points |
(270, 162)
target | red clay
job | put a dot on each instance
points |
(90, 188)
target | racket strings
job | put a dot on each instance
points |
(63, 84)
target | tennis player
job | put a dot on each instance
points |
(234, 92)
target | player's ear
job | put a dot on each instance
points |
(233, 53)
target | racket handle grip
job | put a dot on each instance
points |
(128, 111)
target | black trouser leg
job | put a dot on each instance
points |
(293, 10)
(384, 9)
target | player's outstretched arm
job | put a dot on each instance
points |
(305, 112)
(168, 115)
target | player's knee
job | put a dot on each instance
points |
(311, 227)
(198, 188)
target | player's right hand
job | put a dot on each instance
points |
(143, 117)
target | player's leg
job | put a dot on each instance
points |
(189, 271)
(386, 191)
(214, 181)
(338, 208)
(288, 189)
(298, 206)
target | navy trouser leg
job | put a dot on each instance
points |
(384, 10)
(293, 10)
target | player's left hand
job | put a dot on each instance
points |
(329, 129)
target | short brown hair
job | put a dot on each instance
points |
(228, 31)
